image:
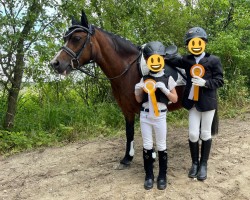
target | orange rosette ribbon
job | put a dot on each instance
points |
(150, 89)
(197, 70)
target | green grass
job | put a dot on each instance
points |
(48, 121)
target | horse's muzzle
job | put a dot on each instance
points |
(55, 65)
(58, 68)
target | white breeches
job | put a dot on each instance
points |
(200, 124)
(158, 125)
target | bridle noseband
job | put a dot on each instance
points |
(75, 56)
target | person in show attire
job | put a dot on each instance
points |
(154, 91)
(204, 76)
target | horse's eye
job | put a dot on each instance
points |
(76, 38)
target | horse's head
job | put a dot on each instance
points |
(77, 48)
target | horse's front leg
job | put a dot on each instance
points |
(129, 154)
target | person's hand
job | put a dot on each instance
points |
(139, 87)
(162, 87)
(198, 81)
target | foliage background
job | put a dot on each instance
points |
(50, 109)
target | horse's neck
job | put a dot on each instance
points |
(112, 62)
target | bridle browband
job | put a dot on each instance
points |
(75, 64)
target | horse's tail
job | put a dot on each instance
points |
(215, 124)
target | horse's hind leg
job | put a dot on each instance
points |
(129, 154)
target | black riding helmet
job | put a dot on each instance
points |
(195, 32)
(153, 48)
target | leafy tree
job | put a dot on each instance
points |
(25, 27)
(31, 33)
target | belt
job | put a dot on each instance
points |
(147, 110)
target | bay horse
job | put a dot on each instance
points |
(117, 58)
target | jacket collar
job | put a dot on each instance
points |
(203, 60)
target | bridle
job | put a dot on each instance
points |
(75, 63)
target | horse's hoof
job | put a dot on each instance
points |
(126, 160)
(122, 166)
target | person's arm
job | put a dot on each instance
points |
(138, 97)
(172, 57)
(215, 81)
(217, 75)
(139, 91)
(171, 94)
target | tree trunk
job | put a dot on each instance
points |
(15, 88)
(32, 14)
(11, 109)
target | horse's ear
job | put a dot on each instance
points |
(84, 20)
(74, 21)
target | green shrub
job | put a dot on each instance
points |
(12, 142)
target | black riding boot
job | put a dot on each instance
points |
(205, 151)
(194, 150)
(162, 177)
(148, 166)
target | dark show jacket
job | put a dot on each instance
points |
(213, 76)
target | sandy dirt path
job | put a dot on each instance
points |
(88, 170)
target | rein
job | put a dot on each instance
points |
(75, 64)
(127, 68)
(115, 77)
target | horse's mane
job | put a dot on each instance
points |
(121, 44)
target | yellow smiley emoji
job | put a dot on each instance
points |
(155, 63)
(196, 46)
